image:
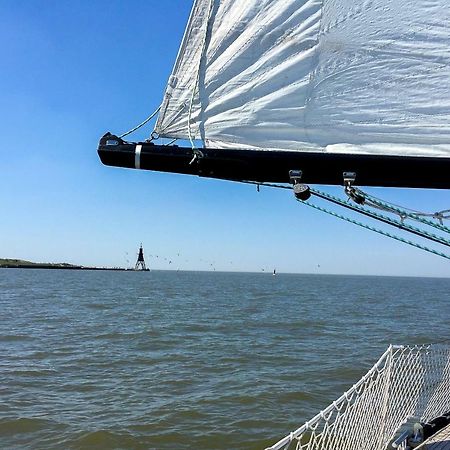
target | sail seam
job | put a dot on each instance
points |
(310, 87)
(197, 79)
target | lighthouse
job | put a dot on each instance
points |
(140, 263)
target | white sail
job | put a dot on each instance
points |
(351, 76)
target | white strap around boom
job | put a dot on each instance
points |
(137, 156)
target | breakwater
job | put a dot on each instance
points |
(21, 264)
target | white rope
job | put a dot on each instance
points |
(407, 383)
(153, 114)
(171, 142)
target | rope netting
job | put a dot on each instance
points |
(407, 383)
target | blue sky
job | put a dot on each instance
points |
(71, 71)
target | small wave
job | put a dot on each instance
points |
(197, 328)
(15, 337)
(117, 335)
(106, 439)
(296, 396)
(100, 306)
(81, 387)
(10, 427)
(32, 373)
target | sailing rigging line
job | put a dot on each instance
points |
(405, 213)
(413, 211)
(376, 230)
(382, 218)
(171, 142)
(371, 214)
(150, 117)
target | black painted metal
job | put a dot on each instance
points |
(274, 166)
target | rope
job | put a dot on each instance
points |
(376, 230)
(150, 117)
(408, 213)
(413, 211)
(171, 142)
(379, 217)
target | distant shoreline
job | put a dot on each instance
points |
(21, 264)
(56, 267)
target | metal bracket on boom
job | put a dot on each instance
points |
(349, 180)
(301, 191)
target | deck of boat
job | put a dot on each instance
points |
(439, 441)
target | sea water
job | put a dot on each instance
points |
(192, 360)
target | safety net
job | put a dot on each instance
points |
(408, 383)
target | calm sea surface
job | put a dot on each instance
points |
(191, 360)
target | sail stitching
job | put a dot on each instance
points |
(352, 14)
(362, 58)
(310, 88)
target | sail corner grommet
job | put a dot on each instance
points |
(301, 191)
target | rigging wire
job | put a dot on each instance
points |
(382, 218)
(150, 117)
(405, 213)
(376, 230)
(413, 211)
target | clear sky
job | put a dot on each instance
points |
(69, 72)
